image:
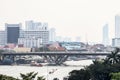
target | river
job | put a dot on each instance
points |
(57, 71)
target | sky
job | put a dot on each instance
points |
(70, 18)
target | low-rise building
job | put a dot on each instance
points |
(22, 49)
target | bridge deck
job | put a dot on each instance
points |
(57, 53)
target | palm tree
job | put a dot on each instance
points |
(40, 78)
(113, 57)
(31, 76)
(28, 76)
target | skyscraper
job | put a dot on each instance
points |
(116, 40)
(117, 26)
(12, 32)
(31, 25)
(52, 34)
(105, 35)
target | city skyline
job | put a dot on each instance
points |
(69, 18)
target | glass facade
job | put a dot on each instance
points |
(12, 33)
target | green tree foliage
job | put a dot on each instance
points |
(4, 77)
(42, 49)
(40, 78)
(115, 76)
(99, 70)
(113, 57)
(28, 76)
(79, 75)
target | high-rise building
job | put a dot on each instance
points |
(116, 40)
(12, 32)
(44, 35)
(117, 26)
(31, 25)
(105, 35)
(52, 35)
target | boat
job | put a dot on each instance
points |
(34, 63)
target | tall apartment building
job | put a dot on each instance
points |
(116, 40)
(117, 26)
(35, 32)
(105, 35)
(52, 35)
(31, 25)
(44, 35)
(12, 32)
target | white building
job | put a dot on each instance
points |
(105, 35)
(3, 38)
(117, 26)
(36, 30)
(43, 34)
(116, 40)
(30, 42)
(31, 25)
(52, 35)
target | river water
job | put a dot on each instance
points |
(49, 72)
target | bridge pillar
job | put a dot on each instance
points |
(61, 59)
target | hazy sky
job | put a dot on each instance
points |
(71, 18)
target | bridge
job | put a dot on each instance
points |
(54, 57)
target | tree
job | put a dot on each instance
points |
(40, 78)
(31, 76)
(28, 76)
(99, 71)
(42, 49)
(115, 76)
(113, 57)
(79, 75)
(4, 77)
